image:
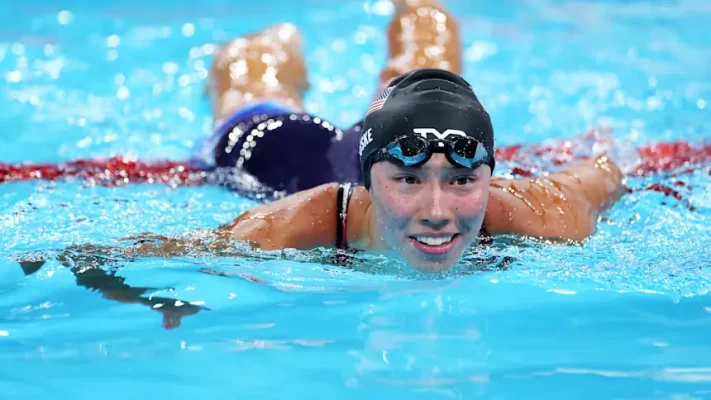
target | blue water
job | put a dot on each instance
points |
(626, 315)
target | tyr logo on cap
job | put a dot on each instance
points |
(438, 134)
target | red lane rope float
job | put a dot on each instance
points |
(655, 158)
(670, 156)
(118, 171)
(115, 171)
(680, 157)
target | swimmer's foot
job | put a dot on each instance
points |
(268, 64)
(422, 34)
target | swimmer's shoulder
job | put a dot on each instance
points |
(303, 220)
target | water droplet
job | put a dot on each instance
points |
(113, 41)
(188, 30)
(64, 17)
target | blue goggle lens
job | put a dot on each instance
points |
(414, 150)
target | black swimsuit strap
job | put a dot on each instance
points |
(485, 237)
(345, 190)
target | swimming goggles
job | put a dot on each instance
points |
(413, 150)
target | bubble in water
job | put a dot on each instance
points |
(113, 41)
(18, 49)
(338, 45)
(188, 30)
(13, 77)
(360, 37)
(64, 17)
(170, 68)
(123, 93)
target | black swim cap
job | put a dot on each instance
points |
(431, 99)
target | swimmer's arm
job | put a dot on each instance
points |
(211, 242)
(561, 206)
(144, 245)
(87, 263)
(304, 221)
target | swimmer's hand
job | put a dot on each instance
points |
(173, 310)
(622, 152)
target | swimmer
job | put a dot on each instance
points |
(413, 178)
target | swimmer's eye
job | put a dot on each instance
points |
(408, 180)
(464, 180)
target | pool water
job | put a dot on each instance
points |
(626, 315)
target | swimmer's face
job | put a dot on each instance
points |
(429, 214)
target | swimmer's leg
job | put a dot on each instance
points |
(422, 35)
(267, 65)
(264, 141)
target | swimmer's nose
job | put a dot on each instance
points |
(434, 223)
(435, 214)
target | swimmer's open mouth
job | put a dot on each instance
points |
(434, 240)
(434, 244)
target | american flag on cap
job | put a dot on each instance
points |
(380, 100)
